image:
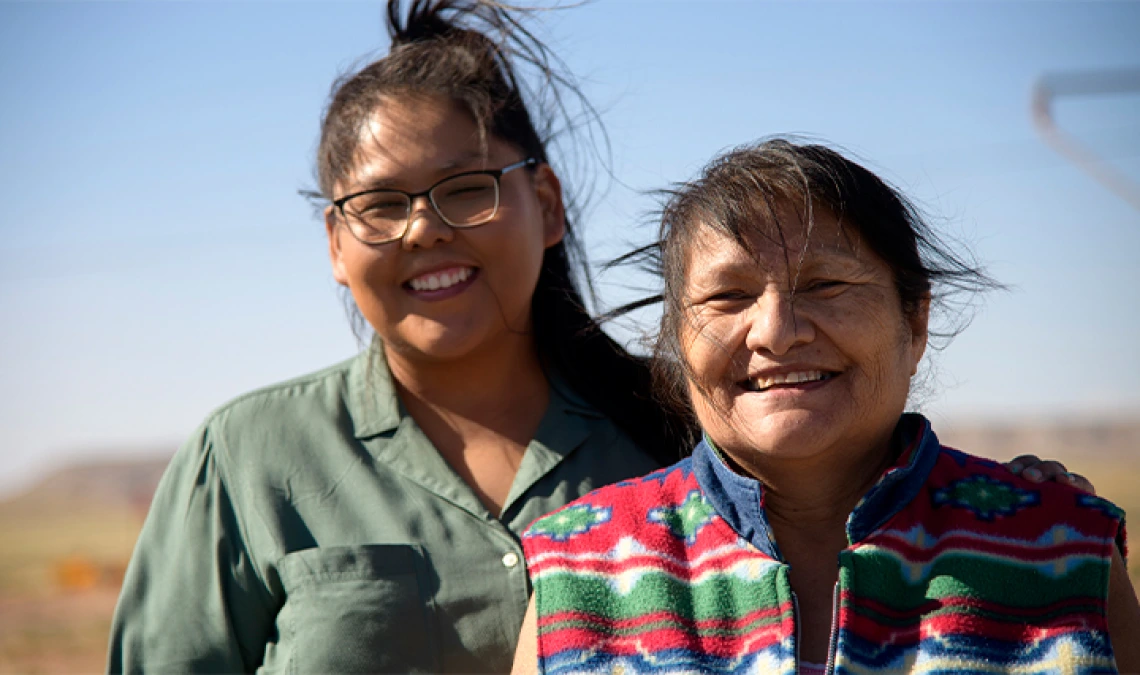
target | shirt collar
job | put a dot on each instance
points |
(375, 409)
(371, 399)
(740, 499)
(375, 406)
(567, 424)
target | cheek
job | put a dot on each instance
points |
(368, 276)
(512, 269)
(710, 416)
(889, 348)
(367, 272)
(866, 329)
(704, 348)
(518, 223)
(708, 349)
(511, 247)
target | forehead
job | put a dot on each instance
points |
(410, 137)
(772, 247)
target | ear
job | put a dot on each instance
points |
(549, 191)
(919, 331)
(333, 234)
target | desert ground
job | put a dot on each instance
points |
(67, 539)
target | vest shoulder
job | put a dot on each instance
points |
(621, 505)
(965, 490)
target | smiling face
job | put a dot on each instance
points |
(441, 293)
(777, 376)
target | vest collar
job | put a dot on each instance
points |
(740, 499)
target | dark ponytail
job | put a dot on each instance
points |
(421, 22)
(469, 51)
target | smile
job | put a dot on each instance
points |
(441, 280)
(759, 384)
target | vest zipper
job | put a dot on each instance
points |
(796, 619)
(833, 637)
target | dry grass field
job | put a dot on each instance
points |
(67, 541)
(66, 545)
(59, 576)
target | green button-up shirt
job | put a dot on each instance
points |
(312, 527)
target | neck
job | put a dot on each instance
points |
(489, 387)
(479, 411)
(808, 501)
(819, 492)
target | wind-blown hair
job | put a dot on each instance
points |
(469, 51)
(748, 190)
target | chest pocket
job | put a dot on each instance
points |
(357, 609)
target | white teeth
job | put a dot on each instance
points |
(440, 280)
(762, 383)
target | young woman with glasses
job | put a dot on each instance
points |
(366, 518)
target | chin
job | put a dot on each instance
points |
(435, 342)
(447, 348)
(790, 434)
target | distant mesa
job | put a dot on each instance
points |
(1077, 442)
(114, 483)
(131, 482)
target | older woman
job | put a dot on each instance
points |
(817, 528)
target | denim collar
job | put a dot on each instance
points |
(740, 499)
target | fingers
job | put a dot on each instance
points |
(1022, 462)
(1033, 468)
(1046, 470)
(1080, 482)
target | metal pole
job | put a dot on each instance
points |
(1052, 86)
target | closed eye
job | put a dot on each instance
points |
(467, 191)
(382, 206)
(824, 286)
(730, 301)
(729, 296)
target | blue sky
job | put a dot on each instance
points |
(157, 261)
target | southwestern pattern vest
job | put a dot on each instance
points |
(954, 564)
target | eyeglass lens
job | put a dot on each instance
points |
(465, 200)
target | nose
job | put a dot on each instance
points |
(775, 326)
(425, 227)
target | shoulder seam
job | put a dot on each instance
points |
(339, 370)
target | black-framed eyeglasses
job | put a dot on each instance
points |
(466, 199)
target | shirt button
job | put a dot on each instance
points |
(510, 560)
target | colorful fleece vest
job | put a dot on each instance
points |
(954, 564)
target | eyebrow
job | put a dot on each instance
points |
(463, 160)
